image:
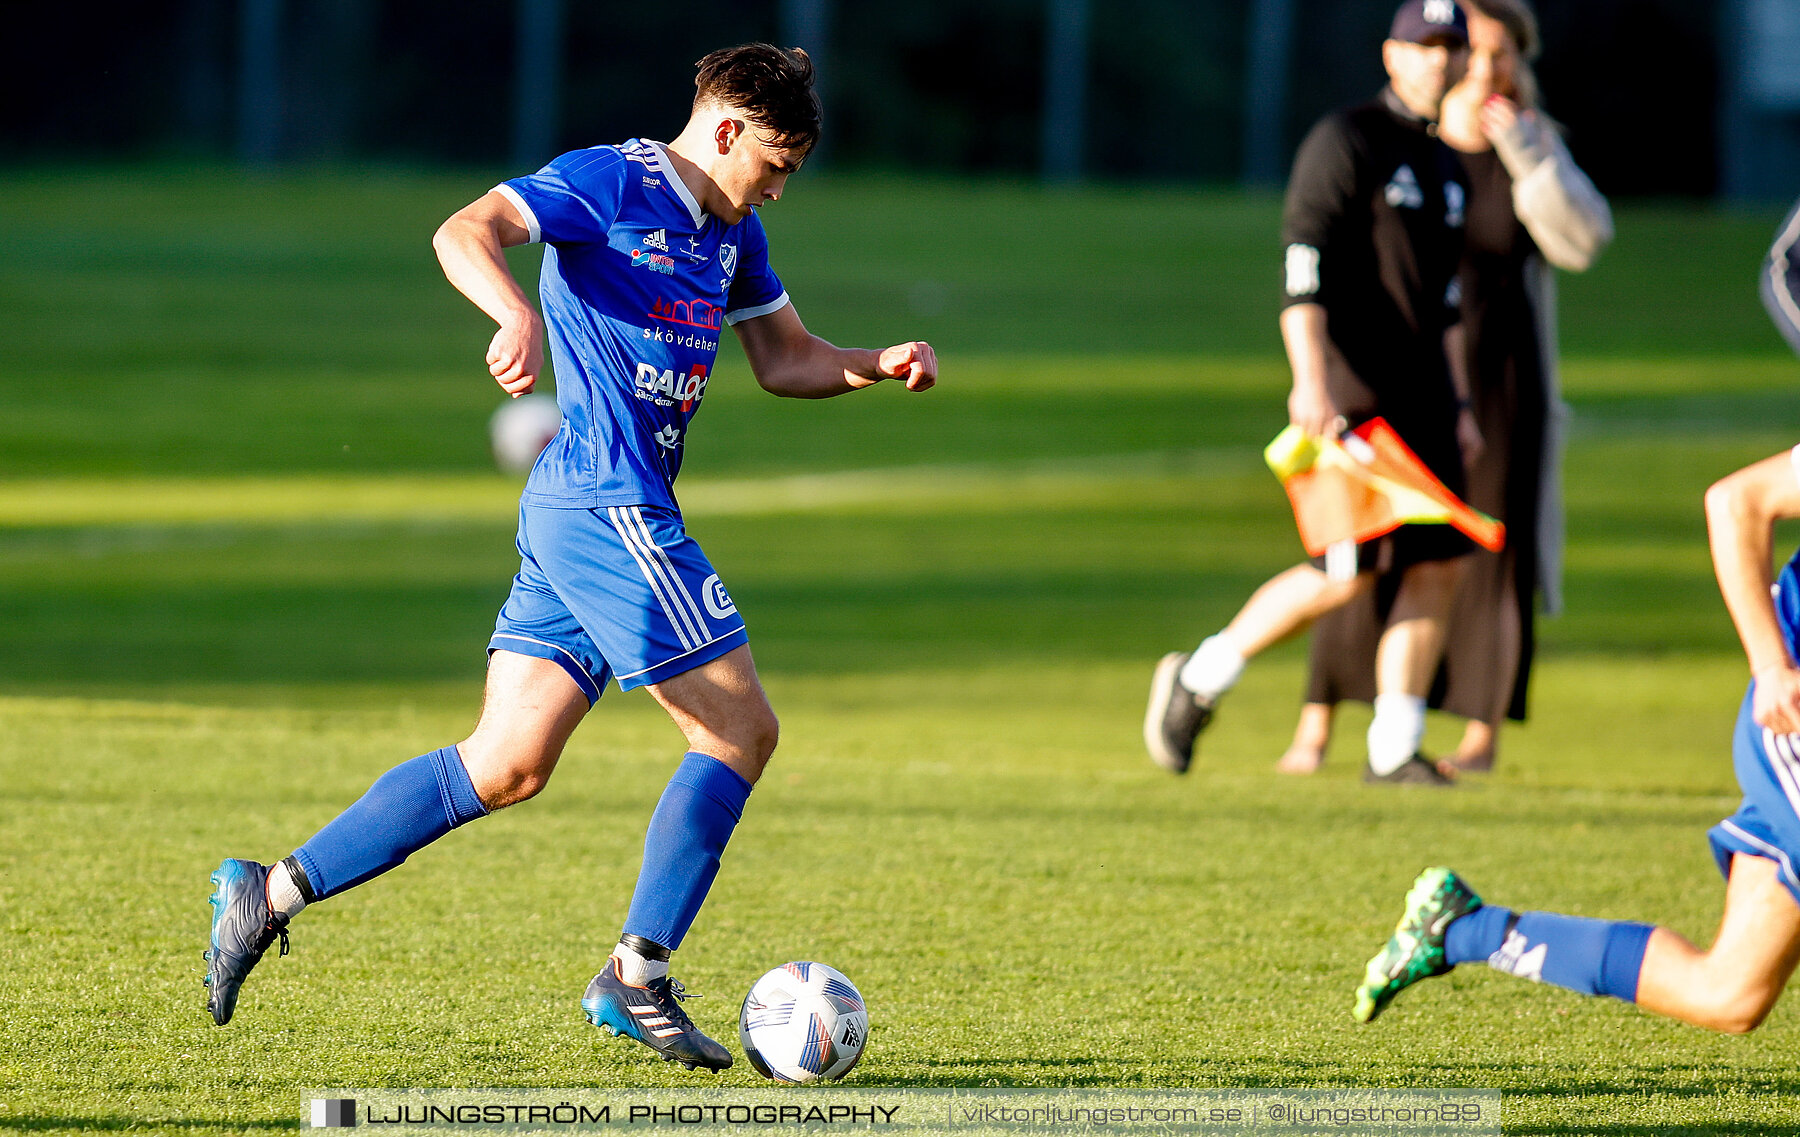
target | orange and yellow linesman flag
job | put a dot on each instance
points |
(1365, 483)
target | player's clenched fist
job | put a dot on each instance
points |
(515, 356)
(914, 362)
(1776, 704)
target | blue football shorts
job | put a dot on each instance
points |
(615, 593)
(1767, 824)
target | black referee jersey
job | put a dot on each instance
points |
(1373, 228)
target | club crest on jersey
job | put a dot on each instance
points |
(658, 240)
(1403, 191)
(728, 259)
(666, 389)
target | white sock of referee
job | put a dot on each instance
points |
(1213, 669)
(1396, 732)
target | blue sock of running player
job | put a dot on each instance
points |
(1594, 957)
(406, 809)
(687, 834)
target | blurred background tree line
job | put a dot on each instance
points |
(1166, 90)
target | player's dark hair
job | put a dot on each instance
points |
(772, 85)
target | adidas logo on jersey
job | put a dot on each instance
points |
(1403, 191)
(658, 240)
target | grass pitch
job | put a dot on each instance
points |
(250, 552)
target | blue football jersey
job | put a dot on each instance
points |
(637, 285)
(1787, 603)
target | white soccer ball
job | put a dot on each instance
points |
(520, 430)
(803, 1022)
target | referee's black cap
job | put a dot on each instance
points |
(1427, 21)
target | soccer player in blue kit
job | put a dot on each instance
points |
(650, 250)
(1733, 984)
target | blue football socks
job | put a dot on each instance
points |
(1594, 957)
(693, 821)
(406, 809)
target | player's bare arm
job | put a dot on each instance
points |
(1309, 351)
(470, 247)
(790, 361)
(1741, 511)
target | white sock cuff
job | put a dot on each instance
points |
(284, 893)
(1396, 731)
(637, 970)
(1213, 669)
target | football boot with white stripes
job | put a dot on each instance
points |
(652, 1015)
(243, 928)
(1416, 949)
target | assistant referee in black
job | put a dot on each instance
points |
(1373, 233)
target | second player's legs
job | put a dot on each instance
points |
(1733, 984)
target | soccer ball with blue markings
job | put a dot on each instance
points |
(803, 1022)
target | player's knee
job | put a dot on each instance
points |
(1738, 1003)
(508, 776)
(764, 734)
(1742, 1011)
(754, 739)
